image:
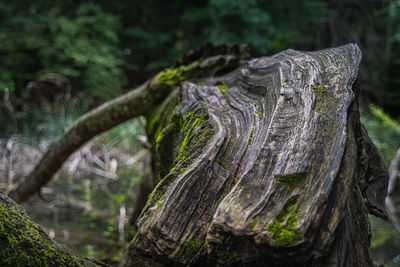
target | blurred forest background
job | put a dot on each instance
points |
(104, 48)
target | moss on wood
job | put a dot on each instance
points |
(24, 243)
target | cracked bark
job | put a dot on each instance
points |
(267, 165)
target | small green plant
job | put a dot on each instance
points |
(283, 227)
(222, 87)
(317, 89)
(253, 224)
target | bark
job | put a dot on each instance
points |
(267, 165)
(135, 103)
(24, 243)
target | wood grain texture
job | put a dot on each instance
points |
(263, 166)
(137, 102)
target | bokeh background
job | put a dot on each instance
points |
(96, 50)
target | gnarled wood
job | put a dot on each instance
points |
(132, 104)
(267, 165)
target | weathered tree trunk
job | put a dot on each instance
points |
(24, 243)
(267, 165)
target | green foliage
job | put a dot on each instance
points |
(42, 124)
(101, 46)
(79, 42)
(246, 21)
(385, 242)
(317, 89)
(383, 130)
(88, 193)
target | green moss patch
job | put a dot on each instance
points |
(317, 89)
(253, 224)
(24, 243)
(192, 245)
(172, 144)
(173, 76)
(283, 227)
(291, 179)
(222, 87)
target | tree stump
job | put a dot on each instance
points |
(267, 165)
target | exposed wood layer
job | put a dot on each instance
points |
(264, 167)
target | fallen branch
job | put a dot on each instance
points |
(103, 118)
(207, 61)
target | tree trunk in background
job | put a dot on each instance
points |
(267, 165)
(24, 243)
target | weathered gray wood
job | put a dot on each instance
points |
(267, 165)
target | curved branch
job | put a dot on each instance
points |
(207, 61)
(102, 118)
